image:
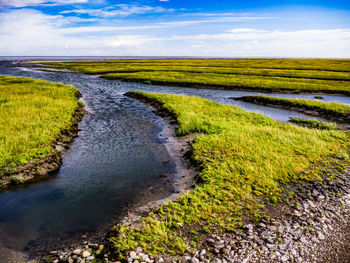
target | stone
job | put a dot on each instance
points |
(248, 227)
(90, 258)
(194, 260)
(77, 251)
(315, 240)
(86, 254)
(210, 241)
(284, 258)
(270, 246)
(320, 236)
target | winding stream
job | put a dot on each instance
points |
(117, 161)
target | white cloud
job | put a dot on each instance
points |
(30, 32)
(246, 30)
(120, 10)
(24, 3)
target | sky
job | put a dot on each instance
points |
(227, 28)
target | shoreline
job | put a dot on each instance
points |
(232, 88)
(180, 151)
(338, 118)
(43, 168)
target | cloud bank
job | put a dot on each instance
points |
(31, 32)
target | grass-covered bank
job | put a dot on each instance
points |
(35, 117)
(271, 75)
(314, 124)
(330, 110)
(245, 157)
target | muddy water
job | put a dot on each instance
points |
(115, 162)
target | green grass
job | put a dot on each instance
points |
(244, 156)
(288, 75)
(333, 109)
(314, 124)
(33, 113)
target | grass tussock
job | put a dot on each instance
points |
(244, 159)
(289, 75)
(33, 113)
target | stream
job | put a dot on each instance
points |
(117, 161)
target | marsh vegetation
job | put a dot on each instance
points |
(329, 110)
(244, 158)
(33, 114)
(271, 75)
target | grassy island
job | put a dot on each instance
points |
(328, 110)
(272, 75)
(35, 115)
(244, 157)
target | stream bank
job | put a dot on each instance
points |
(41, 169)
(299, 229)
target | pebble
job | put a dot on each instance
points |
(77, 252)
(86, 254)
(132, 254)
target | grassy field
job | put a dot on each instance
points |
(326, 109)
(244, 157)
(33, 113)
(273, 75)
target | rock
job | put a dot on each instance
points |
(320, 236)
(90, 258)
(210, 241)
(248, 227)
(86, 254)
(270, 246)
(315, 240)
(77, 251)
(132, 254)
(194, 260)
(284, 258)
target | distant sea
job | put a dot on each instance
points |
(63, 58)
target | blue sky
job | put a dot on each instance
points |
(175, 28)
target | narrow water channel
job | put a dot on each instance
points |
(117, 161)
